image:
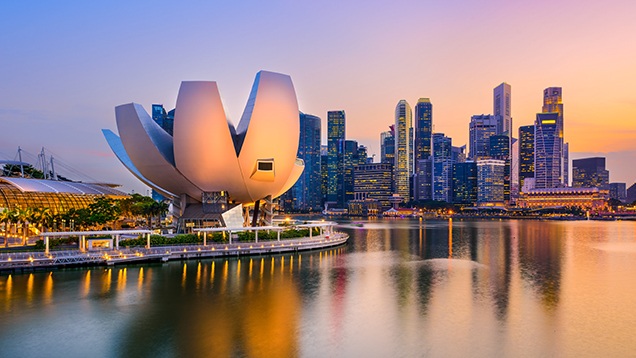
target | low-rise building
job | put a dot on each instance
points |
(587, 198)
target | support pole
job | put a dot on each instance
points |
(205, 238)
(278, 235)
(310, 230)
(256, 234)
(46, 239)
(148, 240)
(117, 241)
(255, 218)
(82, 242)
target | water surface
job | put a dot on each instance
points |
(400, 288)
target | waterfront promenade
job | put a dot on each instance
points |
(25, 261)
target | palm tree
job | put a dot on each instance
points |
(23, 216)
(5, 219)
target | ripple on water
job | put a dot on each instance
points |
(627, 247)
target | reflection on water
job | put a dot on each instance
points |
(400, 288)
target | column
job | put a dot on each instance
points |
(82, 242)
(148, 240)
(46, 239)
(117, 241)
(256, 235)
(205, 238)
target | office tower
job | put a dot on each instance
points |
(499, 148)
(502, 108)
(423, 128)
(373, 181)
(548, 151)
(423, 180)
(324, 174)
(590, 173)
(335, 151)
(617, 191)
(566, 164)
(362, 155)
(163, 119)
(458, 154)
(490, 180)
(403, 148)
(387, 146)
(442, 167)
(631, 194)
(553, 103)
(306, 192)
(526, 153)
(350, 162)
(465, 183)
(480, 129)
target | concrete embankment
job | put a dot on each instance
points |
(30, 261)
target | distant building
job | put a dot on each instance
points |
(163, 119)
(586, 198)
(306, 194)
(618, 191)
(631, 193)
(442, 168)
(590, 173)
(403, 148)
(374, 181)
(499, 148)
(490, 180)
(480, 129)
(387, 147)
(351, 161)
(423, 180)
(502, 108)
(465, 183)
(526, 153)
(553, 104)
(362, 155)
(548, 147)
(423, 129)
(335, 160)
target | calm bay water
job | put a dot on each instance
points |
(400, 288)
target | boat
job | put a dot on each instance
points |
(357, 224)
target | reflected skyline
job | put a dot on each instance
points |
(399, 288)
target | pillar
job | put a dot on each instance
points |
(46, 239)
(256, 235)
(82, 242)
(278, 235)
(205, 239)
(117, 241)
(310, 230)
(148, 240)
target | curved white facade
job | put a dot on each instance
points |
(207, 154)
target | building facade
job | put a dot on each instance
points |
(490, 180)
(481, 128)
(590, 173)
(351, 161)
(553, 103)
(465, 183)
(335, 160)
(442, 189)
(548, 158)
(502, 108)
(403, 148)
(586, 198)
(618, 191)
(526, 153)
(374, 181)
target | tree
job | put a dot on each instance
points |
(5, 219)
(103, 210)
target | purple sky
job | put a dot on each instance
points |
(64, 67)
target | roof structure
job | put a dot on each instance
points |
(56, 186)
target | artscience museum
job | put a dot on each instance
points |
(216, 173)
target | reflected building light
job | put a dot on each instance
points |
(107, 281)
(251, 264)
(198, 275)
(212, 272)
(30, 289)
(140, 280)
(87, 283)
(48, 289)
(183, 279)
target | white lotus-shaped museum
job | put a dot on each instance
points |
(206, 154)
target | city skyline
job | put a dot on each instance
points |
(59, 85)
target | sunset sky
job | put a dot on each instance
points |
(66, 65)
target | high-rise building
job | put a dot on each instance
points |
(590, 173)
(423, 180)
(373, 181)
(566, 164)
(324, 174)
(553, 103)
(306, 193)
(526, 153)
(163, 119)
(480, 129)
(548, 149)
(362, 155)
(499, 148)
(490, 180)
(351, 161)
(502, 108)
(618, 191)
(423, 128)
(387, 146)
(442, 189)
(631, 194)
(465, 183)
(403, 148)
(335, 160)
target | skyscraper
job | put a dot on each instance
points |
(335, 151)
(480, 129)
(306, 192)
(403, 148)
(553, 103)
(499, 148)
(502, 108)
(423, 128)
(465, 183)
(526, 153)
(350, 162)
(442, 167)
(590, 173)
(618, 191)
(387, 146)
(548, 147)
(490, 180)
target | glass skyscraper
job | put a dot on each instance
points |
(351, 161)
(465, 183)
(306, 192)
(422, 148)
(553, 103)
(502, 108)
(590, 173)
(480, 129)
(442, 168)
(490, 180)
(526, 153)
(403, 149)
(163, 119)
(335, 152)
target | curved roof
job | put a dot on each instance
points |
(55, 186)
